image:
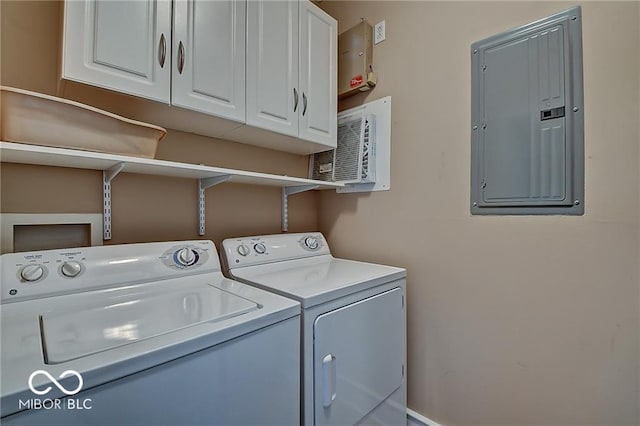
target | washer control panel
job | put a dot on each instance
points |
(238, 252)
(31, 275)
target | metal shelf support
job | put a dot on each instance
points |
(290, 190)
(202, 185)
(107, 176)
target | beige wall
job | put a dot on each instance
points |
(145, 208)
(512, 320)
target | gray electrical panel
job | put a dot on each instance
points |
(527, 119)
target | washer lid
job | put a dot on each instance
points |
(72, 334)
(318, 279)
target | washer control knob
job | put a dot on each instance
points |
(260, 248)
(243, 250)
(185, 257)
(32, 272)
(71, 268)
(311, 242)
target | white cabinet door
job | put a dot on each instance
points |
(318, 75)
(358, 358)
(209, 57)
(119, 45)
(273, 96)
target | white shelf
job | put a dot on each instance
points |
(111, 165)
(59, 157)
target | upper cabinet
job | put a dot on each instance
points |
(132, 46)
(318, 75)
(291, 70)
(272, 66)
(268, 64)
(209, 51)
(122, 46)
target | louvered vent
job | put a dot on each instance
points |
(368, 150)
(353, 161)
(348, 150)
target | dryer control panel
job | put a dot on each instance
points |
(257, 250)
(31, 275)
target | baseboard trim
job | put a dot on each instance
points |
(417, 419)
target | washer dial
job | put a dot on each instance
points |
(71, 268)
(260, 248)
(185, 257)
(32, 272)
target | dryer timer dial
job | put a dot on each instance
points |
(243, 250)
(311, 242)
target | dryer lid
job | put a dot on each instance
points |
(72, 334)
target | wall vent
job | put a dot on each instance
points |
(353, 161)
(362, 157)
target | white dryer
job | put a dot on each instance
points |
(143, 334)
(353, 325)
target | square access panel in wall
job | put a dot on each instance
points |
(527, 119)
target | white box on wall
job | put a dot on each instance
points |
(373, 174)
(62, 230)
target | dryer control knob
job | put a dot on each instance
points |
(185, 257)
(260, 248)
(311, 242)
(32, 272)
(243, 250)
(71, 269)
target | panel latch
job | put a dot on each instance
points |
(550, 114)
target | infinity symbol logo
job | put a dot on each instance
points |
(55, 382)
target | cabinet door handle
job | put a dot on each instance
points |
(304, 103)
(295, 99)
(162, 51)
(180, 57)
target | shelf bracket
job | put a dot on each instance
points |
(290, 190)
(107, 176)
(202, 185)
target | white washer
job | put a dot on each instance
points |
(353, 325)
(156, 334)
